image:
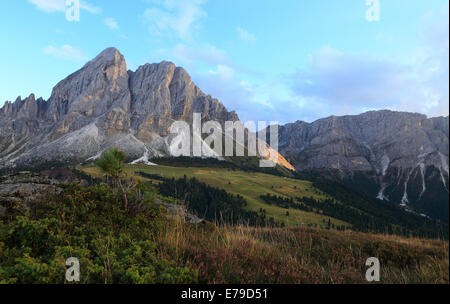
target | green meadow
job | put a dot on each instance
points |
(250, 185)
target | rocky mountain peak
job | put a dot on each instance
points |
(109, 56)
(31, 98)
(103, 105)
(102, 84)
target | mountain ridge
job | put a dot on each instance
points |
(397, 156)
(103, 105)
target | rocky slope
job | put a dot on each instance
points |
(400, 157)
(20, 191)
(102, 106)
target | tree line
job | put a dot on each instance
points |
(210, 203)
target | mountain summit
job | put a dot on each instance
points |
(100, 106)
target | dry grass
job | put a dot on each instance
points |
(301, 255)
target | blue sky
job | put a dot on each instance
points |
(269, 60)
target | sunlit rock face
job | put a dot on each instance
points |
(100, 106)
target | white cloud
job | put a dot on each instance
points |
(245, 35)
(174, 17)
(345, 83)
(50, 6)
(111, 23)
(66, 52)
(222, 83)
(270, 101)
(342, 83)
(191, 57)
(222, 79)
(90, 8)
(350, 79)
(333, 83)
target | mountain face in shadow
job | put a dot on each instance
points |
(395, 156)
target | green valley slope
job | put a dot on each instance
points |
(250, 185)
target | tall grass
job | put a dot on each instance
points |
(242, 254)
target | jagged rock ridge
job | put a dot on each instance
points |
(396, 156)
(100, 106)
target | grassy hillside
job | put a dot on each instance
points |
(250, 185)
(141, 245)
(314, 202)
(301, 255)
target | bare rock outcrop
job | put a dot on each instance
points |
(22, 190)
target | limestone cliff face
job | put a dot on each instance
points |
(101, 85)
(403, 156)
(373, 140)
(100, 106)
(163, 93)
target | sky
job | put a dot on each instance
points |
(268, 60)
